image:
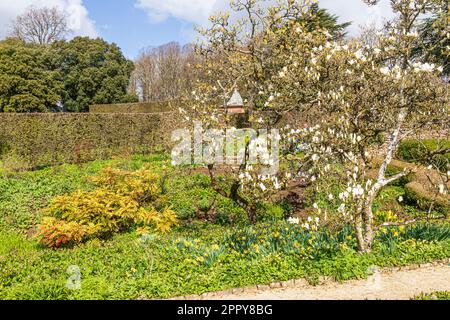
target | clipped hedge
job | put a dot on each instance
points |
(417, 151)
(30, 141)
(418, 195)
(419, 185)
(150, 107)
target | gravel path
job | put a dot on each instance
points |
(399, 285)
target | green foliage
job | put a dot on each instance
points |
(388, 199)
(191, 196)
(195, 258)
(321, 19)
(93, 72)
(428, 232)
(442, 295)
(417, 195)
(145, 264)
(289, 239)
(148, 107)
(23, 195)
(38, 140)
(271, 212)
(422, 152)
(64, 75)
(28, 80)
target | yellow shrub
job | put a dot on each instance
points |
(166, 220)
(110, 211)
(56, 233)
(142, 186)
(122, 200)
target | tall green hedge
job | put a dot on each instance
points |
(37, 140)
(148, 107)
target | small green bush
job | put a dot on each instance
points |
(418, 151)
(417, 195)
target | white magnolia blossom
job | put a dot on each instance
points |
(360, 55)
(344, 195)
(358, 191)
(294, 220)
(424, 67)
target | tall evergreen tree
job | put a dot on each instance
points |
(322, 19)
(28, 81)
(435, 37)
(93, 72)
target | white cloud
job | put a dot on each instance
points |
(357, 12)
(197, 11)
(78, 15)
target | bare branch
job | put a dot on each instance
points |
(40, 25)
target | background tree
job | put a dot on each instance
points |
(145, 76)
(435, 37)
(40, 25)
(163, 73)
(93, 72)
(321, 19)
(28, 80)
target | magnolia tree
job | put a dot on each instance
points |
(372, 97)
(248, 51)
(369, 97)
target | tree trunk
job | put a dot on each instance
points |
(359, 229)
(369, 232)
(233, 195)
(364, 224)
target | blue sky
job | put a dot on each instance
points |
(136, 24)
(131, 27)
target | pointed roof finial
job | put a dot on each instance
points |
(236, 100)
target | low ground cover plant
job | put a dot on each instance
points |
(441, 295)
(203, 257)
(211, 248)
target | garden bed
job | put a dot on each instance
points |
(212, 249)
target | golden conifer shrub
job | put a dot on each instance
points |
(121, 200)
